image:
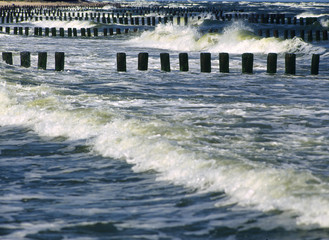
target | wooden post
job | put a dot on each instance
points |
(69, 32)
(143, 61)
(83, 32)
(315, 64)
(275, 33)
(121, 62)
(247, 62)
(53, 32)
(96, 32)
(59, 61)
(42, 60)
(25, 59)
(165, 62)
(290, 63)
(272, 63)
(224, 63)
(61, 32)
(7, 57)
(205, 62)
(183, 62)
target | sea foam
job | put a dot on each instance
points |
(236, 38)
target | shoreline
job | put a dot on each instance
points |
(51, 3)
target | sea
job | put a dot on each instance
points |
(94, 153)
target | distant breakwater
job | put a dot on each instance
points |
(121, 19)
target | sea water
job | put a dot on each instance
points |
(92, 153)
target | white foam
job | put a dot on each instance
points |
(63, 24)
(236, 38)
(172, 150)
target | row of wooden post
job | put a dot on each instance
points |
(205, 62)
(71, 32)
(7, 57)
(302, 34)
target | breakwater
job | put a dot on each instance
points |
(247, 62)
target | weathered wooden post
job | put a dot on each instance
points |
(143, 61)
(83, 32)
(247, 63)
(276, 33)
(315, 64)
(290, 63)
(42, 60)
(53, 32)
(69, 32)
(121, 62)
(61, 32)
(7, 57)
(272, 63)
(96, 32)
(25, 59)
(183, 62)
(205, 62)
(59, 61)
(165, 62)
(224, 63)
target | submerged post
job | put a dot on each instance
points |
(121, 62)
(42, 60)
(183, 62)
(315, 64)
(205, 62)
(247, 63)
(143, 61)
(272, 63)
(165, 62)
(224, 63)
(59, 61)
(290, 62)
(25, 59)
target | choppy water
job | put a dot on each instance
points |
(92, 153)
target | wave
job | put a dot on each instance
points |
(62, 24)
(160, 146)
(235, 38)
